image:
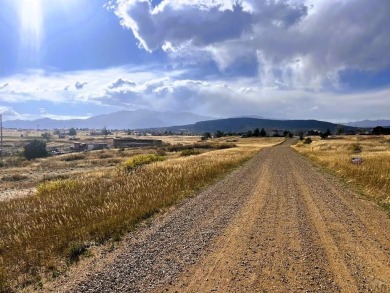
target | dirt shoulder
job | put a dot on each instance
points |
(275, 225)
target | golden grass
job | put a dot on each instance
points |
(47, 231)
(372, 176)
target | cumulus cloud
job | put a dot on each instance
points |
(296, 44)
(9, 113)
(120, 83)
(174, 91)
(4, 86)
(80, 85)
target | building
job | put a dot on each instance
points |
(136, 143)
(97, 146)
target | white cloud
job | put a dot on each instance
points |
(169, 91)
(120, 83)
(297, 44)
(4, 86)
(9, 112)
(80, 85)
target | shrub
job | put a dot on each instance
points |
(189, 152)
(176, 148)
(14, 177)
(75, 250)
(74, 157)
(140, 160)
(356, 148)
(223, 146)
(160, 152)
(103, 155)
(307, 140)
(35, 149)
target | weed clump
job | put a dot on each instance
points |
(14, 177)
(74, 157)
(140, 160)
(189, 152)
(308, 140)
(75, 250)
(356, 148)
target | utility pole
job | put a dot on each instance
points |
(1, 135)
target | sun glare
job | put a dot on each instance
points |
(31, 24)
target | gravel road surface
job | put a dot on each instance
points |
(277, 224)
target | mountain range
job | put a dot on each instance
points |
(244, 124)
(118, 120)
(369, 123)
(184, 122)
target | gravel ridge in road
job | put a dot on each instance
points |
(276, 224)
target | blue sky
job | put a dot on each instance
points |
(288, 59)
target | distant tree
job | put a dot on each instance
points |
(256, 132)
(219, 134)
(56, 132)
(35, 149)
(249, 133)
(340, 130)
(263, 133)
(301, 134)
(72, 132)
(325, 134)
(46, 135)
(105, 131)
(206, 135)
(380, 130)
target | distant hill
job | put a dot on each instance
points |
(245, 124)
(369, 123)
(118, 120)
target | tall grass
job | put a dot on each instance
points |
(51, 228)
(372, 176)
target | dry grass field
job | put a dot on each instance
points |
(372, 177)
(80, 200)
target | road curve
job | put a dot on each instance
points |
(277, 224)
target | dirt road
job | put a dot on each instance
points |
(277, 224)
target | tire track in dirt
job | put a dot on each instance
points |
(360, 242)
(303, 234)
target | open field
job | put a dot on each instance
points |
(19, 177)
(372, 176)
(80, 200)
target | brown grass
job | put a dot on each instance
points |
(372, 177)
(42, 234)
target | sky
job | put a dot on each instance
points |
(285, 59)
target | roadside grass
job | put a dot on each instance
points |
(43, 234)
(372, 177)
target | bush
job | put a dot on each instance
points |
(14, 178)
(75, 250)
(74, 157)
(189, 152)
(160, 152)
(140, 160)
(176, 147)
(223, 146)
(35, 149)
(356, 148)
(307, 140)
